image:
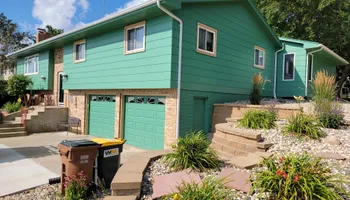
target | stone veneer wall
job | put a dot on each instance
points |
(77, 101)
(58, 67)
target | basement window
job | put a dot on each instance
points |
(79, 51)
(259, 57)
(288, 67)
(206, 40)
(135, 38)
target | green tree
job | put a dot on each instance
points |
(11, 39)
(17, 85)
(53, 31)
(324, 21)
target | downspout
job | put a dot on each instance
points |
(307, 66)
(275, 78)
(179, 65)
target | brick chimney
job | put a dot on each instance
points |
(42, 35)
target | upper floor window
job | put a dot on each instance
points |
(79, 51)
(289, 67)
(31, 65)
(259, 57)
(206, 40)
(135, 38)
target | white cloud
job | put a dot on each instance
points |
(79, 24)
(59, 14)
(129, 4)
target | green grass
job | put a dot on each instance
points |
(258, 119)
(193, 152)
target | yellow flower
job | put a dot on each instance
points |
(176, 197)
(19, 100)
(299, 98)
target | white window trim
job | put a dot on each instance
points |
(134, 26)
(284, 63)
(209, 29)
(74, 51)
(310, 79)
(264, 53)
(28, 74)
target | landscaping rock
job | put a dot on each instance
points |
(166, 184)
(330, 155)
(235, 179)
(332, 140)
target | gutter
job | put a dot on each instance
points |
(323, 47)
(307, 65)
(179, 65)
(275, 78)
(105, 19)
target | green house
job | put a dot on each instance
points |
(299, 62)
(151, 73)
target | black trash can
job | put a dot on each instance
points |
(108, 159)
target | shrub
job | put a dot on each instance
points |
(11, 107)
(193, 151)
(324, 86)
(303, 125)
(258, 119)
(258, 82)
(75, 187)
(18, 84)
(297, 177)
(211, 188)
(330, 114)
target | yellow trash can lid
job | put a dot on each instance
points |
(108, 142)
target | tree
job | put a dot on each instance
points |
(17, 85)
(11, 39)
(53, 31)
(324, 21)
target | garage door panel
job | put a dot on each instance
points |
(144, 123)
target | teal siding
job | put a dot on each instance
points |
(239, 30)
(45, 69)
(226, 77)
(295, 87)
(106, 66)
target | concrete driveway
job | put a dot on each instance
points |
(29, 161)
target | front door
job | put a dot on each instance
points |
(60, 89)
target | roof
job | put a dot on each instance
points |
(319, 49)
(147, 9)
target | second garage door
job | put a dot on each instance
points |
(102, 116)
(144, 121)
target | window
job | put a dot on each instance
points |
(135, 38)
(259, 57)
(206, 40)
(309, 67)
(288, 69)
(79, 51)
(31, 65)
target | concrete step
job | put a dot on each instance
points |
(250, 161)
(11, 129)
(18, 119)
(10, 124)
(232, 119)
(13, 134)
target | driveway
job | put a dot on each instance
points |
(29, 161)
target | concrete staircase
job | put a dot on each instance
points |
(12, 129)
(239, 147)
(32, 114)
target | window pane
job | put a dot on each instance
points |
(26, 67)
(261, 58)
(77, 52)
(309, 70)
(82, 51)
(139, 37)
(256, 56)
(210, 41)
(131, 40)
(36, 64)
(289, 66)
(201, 39)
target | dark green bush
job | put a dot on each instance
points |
(258, 119)
(298, 177)
(11, 107)
(193, 151)
(210, 189)
(303, 125)
(329, 113)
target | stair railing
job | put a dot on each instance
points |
(24, 116)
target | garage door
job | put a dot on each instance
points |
(144, 121)
(102, 116)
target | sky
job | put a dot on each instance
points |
(62, 14)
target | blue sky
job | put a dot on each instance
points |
(64, 14)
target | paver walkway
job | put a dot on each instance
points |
(29, 161)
